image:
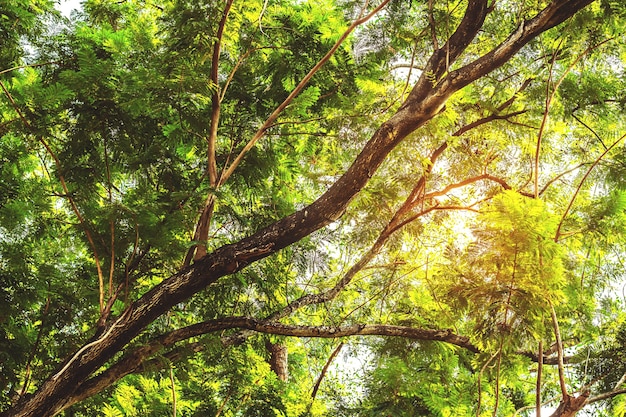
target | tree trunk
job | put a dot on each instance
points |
(278, 359)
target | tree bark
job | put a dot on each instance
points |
(134, 361)
(570, 406)
(424, 102)
(279, 359)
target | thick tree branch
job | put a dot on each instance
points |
(138, 358)
(134, 360)
(394, 224)
(570, 405)
(388, 230)
(202, 229)
(415, 197)
(554, 14)
(442, 58)
(423, 103)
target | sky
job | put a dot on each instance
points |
(66, 6)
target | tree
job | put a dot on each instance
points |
(177, 170)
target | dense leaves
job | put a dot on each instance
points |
(137, 135)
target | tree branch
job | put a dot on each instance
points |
(67, 194)
(42, 64)
(554, 14)
(539, 375)
(558, 233)
(550, 98)
(424, 102)
(216, 101)
(297, 90)
(134, 360)
(559, 352)
(202, 229)
(323, 373)
(606, 395)
(204, 222)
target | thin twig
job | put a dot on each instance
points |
(216, 101)
(558, 233)
(296, 91)
(172, 381)
(559, 347)
(530, 407)
(538, 387)
(36, 345)
(68, 195)
(323, 373)
(550, 97)
(29, 66)
(479, 382)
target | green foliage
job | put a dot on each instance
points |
(19, 20)
(143, 396)
(418, 379)
(104, 170)
(514, 269)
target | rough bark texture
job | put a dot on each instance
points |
(570, 406)
(134, 360)
(279, 357)
(425, 101)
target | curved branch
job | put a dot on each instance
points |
(496, 115)
(589, 128)
(323, 373)
(134, 360)
(465, 182)
(561, 175)
(67, 193)
(606, 395)
(138, 359)
(424, 102)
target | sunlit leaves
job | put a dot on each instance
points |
(121, 109)
(513, 269)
